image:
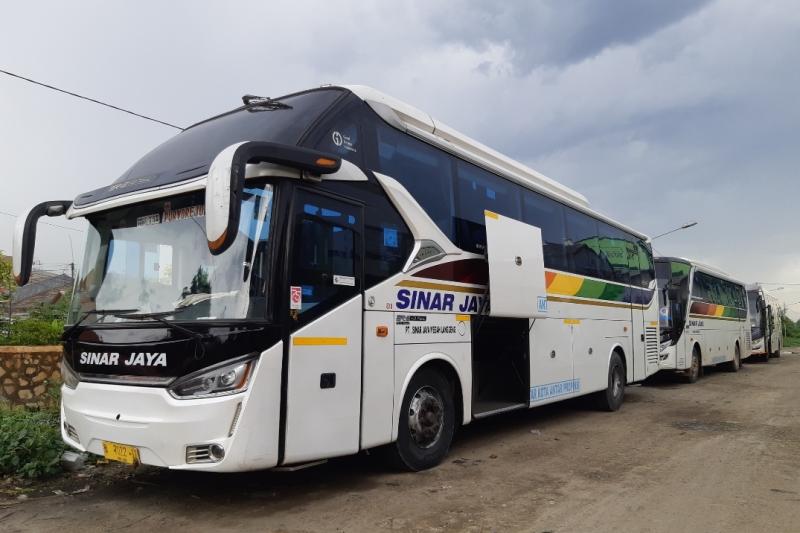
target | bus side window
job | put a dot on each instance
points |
(582, 243)
(613, 254)
(547, 214)
(478, 190)
(423, 170)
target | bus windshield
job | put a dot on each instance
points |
(153, 258)
(673, 288)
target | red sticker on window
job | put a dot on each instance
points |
(295, 297)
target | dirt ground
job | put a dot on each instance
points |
(720, 455)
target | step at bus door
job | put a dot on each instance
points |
(323, 380)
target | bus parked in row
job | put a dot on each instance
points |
(766, 326)
(703, 318)
(332, 271)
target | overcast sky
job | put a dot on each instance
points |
(660, 112)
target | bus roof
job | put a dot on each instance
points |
(412, 120)
(417, 121)
(708, 269)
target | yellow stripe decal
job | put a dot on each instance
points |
(319, 341)
(490, 214)
(462, 318)
(440, 286)
(572, 321)
(599, 304)
(654, 323)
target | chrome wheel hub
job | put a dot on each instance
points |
(426, 417)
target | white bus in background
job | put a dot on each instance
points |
(703, 315)
(309, 276)
(766, 326)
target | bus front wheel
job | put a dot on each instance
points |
(427, 422)
(693, 374)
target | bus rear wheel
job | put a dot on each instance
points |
(427, 422)
(733, 366)
(693, 374)
(611, 398)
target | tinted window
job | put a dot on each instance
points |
(324, 249)
(190, 153)
(477, 191)
(341, 135)
(548, 215)
(582, 244)
(646, 268)
(613, 257)
(424, 171)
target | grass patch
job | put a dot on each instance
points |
(791, 342)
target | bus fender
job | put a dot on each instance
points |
(463, 373)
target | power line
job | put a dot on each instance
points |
(42, 222)
(76, 95)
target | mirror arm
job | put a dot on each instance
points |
(25, 236)
(225, 182)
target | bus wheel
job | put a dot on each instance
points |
(611, 398)
(427, 422)
(693, 374)
(777, 352)
(733, 366)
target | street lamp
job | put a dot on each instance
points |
(687, 225)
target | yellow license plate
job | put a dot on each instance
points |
(121, 452)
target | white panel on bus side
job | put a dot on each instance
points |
(552, 376)
(516, 268)
(323, 397)
(377, 400)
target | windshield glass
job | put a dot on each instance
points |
(754, 310)
(153, 258)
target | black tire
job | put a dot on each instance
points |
(427, 425)
(611, 399)
(736, 364)
(694, 372)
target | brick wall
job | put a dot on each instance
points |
(26, 372)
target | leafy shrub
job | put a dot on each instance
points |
(34, 331)
(30, 442)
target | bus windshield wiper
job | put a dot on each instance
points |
(262, 103)
(87, 314)
(159, 317)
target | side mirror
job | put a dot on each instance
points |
(25, 237)
(226, 180)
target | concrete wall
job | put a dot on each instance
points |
(26, 372)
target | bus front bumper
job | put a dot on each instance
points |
(758, 348)
(163, 429)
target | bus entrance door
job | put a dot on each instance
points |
(323, 378)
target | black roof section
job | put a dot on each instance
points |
(189, 154)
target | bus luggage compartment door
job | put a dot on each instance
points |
(516, 268)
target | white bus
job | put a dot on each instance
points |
(703, 314)
(766, 327)
(309, 276)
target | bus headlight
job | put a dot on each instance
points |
(68, 376)
(219, 380)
